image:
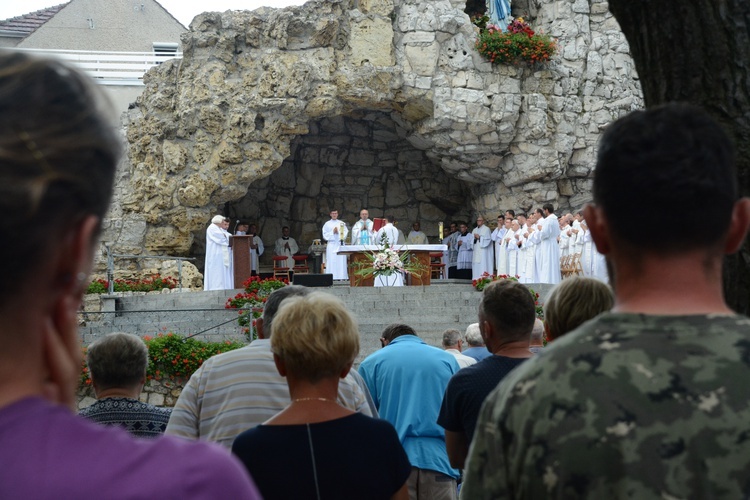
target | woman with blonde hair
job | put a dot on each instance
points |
(574, 301)
(329, 451)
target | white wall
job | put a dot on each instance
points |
(117, 25)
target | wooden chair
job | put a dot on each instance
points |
(437, 268)
(565, 268)
(576, 265)
(300, 264)
(280, 269)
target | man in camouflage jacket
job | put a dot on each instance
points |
(651, 400)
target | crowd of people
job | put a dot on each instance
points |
(645, 400)
(529, 247)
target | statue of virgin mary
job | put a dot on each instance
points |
(499, 13)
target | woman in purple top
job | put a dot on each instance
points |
(58, 156)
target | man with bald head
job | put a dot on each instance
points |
(362, 233)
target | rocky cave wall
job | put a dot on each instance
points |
(349, 164)
(252, 86)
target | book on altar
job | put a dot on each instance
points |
(377, 223)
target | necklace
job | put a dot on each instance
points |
(313, 399)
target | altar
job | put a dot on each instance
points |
(358, 253)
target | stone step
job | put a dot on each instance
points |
(429, 310)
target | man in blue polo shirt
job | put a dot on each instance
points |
(407, 379)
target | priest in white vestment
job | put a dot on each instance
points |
(576, 235)
(548, 270)
(482, 260)
(388, 233)
(587, 250)
(465, 243)
(218, 273)
(416, 237)
(527, 254)
(334, 232)
(450, 255)
(286, 245)
(564, 239)
(256, 249)
(501, 248)
(362, 233)
(512, 240)
(600, 271)
(401, 238)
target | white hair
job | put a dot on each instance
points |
(538, 331)
(473, 335)
(218, 219)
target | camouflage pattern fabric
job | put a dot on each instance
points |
(626, 406)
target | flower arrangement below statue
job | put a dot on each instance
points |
(517, 45)
(387, 265)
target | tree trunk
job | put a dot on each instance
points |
(698, 51)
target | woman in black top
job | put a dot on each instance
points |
(316, 448)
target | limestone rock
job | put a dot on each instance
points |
(278, 115)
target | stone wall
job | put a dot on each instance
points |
(156, 392)
(349, 163)
(273, 90)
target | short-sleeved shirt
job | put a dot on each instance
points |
(351, 457)
(626, 406)
(467, 391)
(407, 380)
(239, 389)
(478, 353)
(139, 419)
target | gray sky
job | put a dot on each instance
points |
(183, 10)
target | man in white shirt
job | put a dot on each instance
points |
(452, 344)
(334, 232)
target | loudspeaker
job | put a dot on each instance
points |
(313, 280)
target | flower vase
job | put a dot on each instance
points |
(393, 279)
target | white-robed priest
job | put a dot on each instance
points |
(218, 273)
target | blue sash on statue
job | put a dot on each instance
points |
(499, 13)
